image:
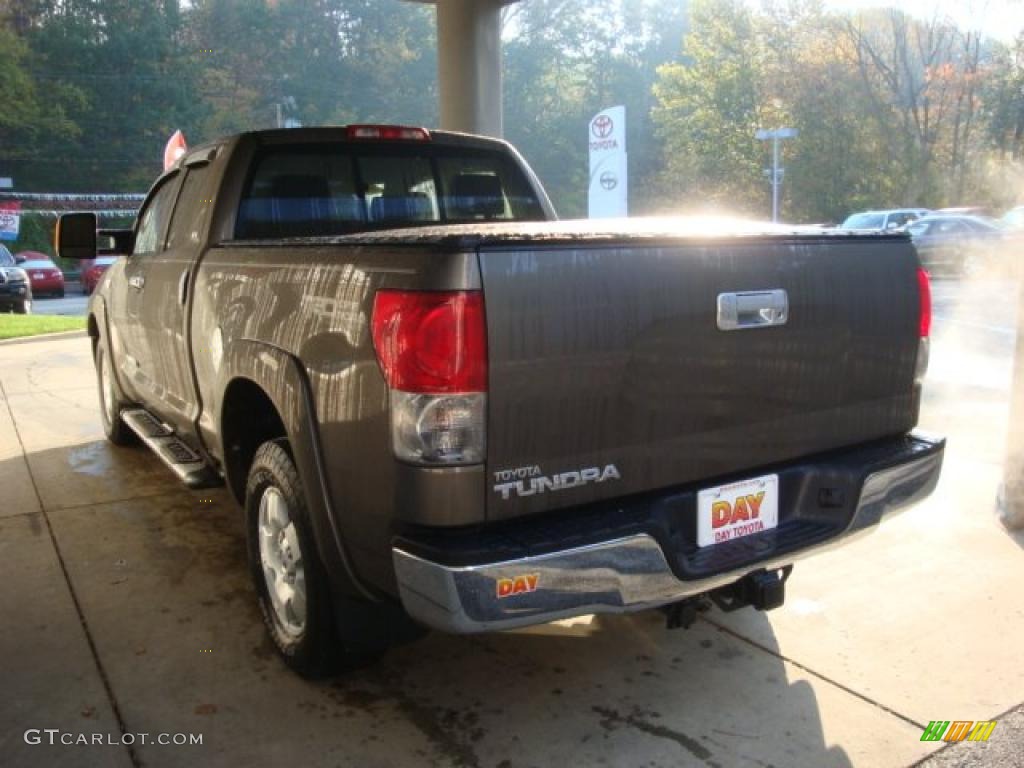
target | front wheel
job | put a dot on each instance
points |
(23, 307)
(114, 428)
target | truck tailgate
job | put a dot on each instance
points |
(610, 355)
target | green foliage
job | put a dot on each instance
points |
(567, 59)
(708, 109)
(891, 110)
(120, 72)
(32, 115)
(35, 233)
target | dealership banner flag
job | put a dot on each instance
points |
(174, 149)
(10, 220)
(609, 186)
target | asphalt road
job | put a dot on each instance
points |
(73, 303)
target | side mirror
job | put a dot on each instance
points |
(19, 259)
(75, 236)
(115, 242)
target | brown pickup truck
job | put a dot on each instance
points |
(435, 401)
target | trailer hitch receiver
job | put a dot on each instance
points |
(764, 590)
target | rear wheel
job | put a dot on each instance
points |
(60, 294)
(114, 428)
(290, 580)
(23, 307)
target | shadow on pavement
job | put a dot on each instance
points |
(161, 580)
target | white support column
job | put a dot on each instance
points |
(469, 65)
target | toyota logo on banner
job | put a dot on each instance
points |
(602, 127)
(608, 189)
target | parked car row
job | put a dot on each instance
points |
(953, 242)
(45, 277)
(15, 291)
(960, 245)
(42, 277)
(880, 221)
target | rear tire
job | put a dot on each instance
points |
(23, 307)
(291, 582)
(114, 428)
(60, 294)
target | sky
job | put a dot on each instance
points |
(1000, 19)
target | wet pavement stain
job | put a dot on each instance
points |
(441, 726)
(93, 459)
(611, 718)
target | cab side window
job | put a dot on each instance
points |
(153, 218)
(190, 211)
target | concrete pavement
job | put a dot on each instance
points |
(128, 611)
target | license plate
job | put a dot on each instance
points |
(736, 510)
(39, 275)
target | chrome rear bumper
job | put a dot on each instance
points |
(618, 575)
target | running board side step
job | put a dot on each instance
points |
(179, 458)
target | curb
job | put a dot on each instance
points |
(42, 337)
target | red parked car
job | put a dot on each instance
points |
(44, 276)
(93, 270)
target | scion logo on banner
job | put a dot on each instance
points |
(527, 481)
(958, 730)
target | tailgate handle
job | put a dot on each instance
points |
(752, 309)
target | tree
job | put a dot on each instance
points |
(567, 59)
(133, 81)
(709, 108)
(27, 121)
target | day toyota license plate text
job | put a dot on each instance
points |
(740, 509)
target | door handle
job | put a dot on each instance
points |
(137, 282)
(752, 309)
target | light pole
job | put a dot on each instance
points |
(776, 172)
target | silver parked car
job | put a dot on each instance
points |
(958, 245)
(881, 221)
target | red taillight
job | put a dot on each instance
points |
(924, 290)
(387, 132)
(431, 342)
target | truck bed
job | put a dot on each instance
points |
(604, 350)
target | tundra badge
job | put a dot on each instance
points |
(527, 481)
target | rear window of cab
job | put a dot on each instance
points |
(339, 189)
